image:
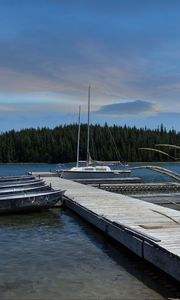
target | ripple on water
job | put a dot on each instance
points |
(56, 255)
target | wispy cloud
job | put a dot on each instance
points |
(37, 108)
(18, 116)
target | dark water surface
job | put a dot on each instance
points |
(56, 255)
(21, 169)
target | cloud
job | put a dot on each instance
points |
(137, 108)
(37, 108)
(61, 47)
(18, 116)
(50, 51)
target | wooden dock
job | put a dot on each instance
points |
(150, 231)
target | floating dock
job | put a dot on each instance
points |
(109, 181)
(152, 232)
(139, 187)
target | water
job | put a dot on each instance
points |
(57, 255)
(21, 169)
(152, 176)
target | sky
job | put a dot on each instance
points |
(128, 51)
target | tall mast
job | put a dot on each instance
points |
(79, 130)
(88, 128)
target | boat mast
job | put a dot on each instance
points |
(88, 128)
(79, 131)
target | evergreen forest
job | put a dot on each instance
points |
(58, 145)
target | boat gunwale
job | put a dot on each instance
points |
(30, 195)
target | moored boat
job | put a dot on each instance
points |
(93, 172)
(32, 183)
(29, 202)
(21, 190)
(93, 169)
(2, 183)
(16, 178)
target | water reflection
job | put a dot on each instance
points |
(51, 216)
(172, 206)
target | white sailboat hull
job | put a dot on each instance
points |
(83, 174)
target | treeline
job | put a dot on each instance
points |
(59, 145)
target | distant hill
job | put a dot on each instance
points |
(107, 143)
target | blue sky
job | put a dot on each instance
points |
(52, 50)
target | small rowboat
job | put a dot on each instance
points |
(29, 202)
(31, 183)
(22, 190)
(16, 178)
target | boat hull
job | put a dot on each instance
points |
(16, 178)
(22, 190)
(29, 202)
(17, 182)
(23, 184)
(73, 175)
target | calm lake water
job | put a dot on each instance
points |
(56, 255)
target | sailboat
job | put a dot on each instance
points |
(93, 169)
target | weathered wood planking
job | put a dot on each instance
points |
(150, 231)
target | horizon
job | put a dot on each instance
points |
(51, 51)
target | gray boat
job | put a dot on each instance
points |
(22, 190)
(2, 183)
(16, 178)
(29, 202)
(32, 183)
